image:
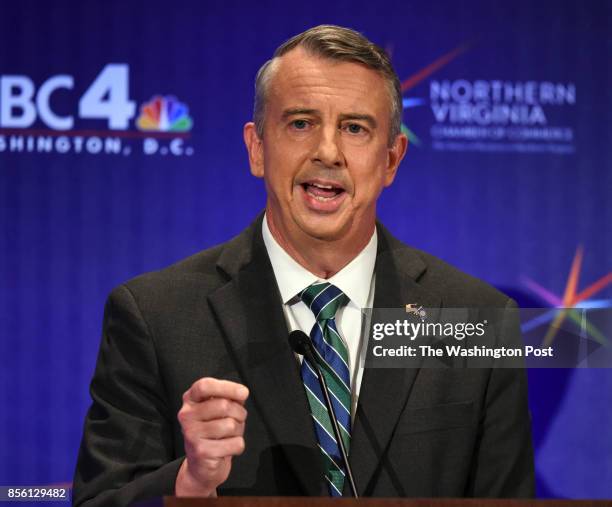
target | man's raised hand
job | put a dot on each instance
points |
(212, 419)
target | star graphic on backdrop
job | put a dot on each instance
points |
(572, 304)
(416, 78)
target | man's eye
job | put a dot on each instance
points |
(354, 128)
(299, 124)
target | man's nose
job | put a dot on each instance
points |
(328, 151)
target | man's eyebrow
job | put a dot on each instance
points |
(343, 117)
(297, 111)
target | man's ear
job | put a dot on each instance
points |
(254, 146)
(394, 156)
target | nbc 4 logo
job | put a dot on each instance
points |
(106, 98)
(163, 123)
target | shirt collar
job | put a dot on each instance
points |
(354, 279)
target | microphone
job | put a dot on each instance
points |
(302, 344)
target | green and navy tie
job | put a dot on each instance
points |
(324, 300)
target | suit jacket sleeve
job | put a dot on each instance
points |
(503, 461)
(127, 448)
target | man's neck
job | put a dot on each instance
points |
(321, 257)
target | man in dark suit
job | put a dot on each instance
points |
(197, 391)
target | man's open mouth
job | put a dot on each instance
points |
(322, 191)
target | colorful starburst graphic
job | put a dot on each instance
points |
(571, 304)
(416, 78)
(164, 114)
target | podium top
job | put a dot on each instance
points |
(268, 501)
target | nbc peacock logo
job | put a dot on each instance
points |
(164, 114)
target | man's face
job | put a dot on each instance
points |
(325, 154)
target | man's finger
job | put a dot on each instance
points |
(217, 429)
(216, 408)
(208, 387)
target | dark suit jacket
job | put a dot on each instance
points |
(417, 432)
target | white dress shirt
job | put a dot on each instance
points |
(356, 280)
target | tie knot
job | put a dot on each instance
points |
(323, 299)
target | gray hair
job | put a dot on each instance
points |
(335, 43)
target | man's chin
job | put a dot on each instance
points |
(324, 228)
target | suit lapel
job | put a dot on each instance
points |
(250, 314)
(385, 391)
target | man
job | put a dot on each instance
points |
(197, 391)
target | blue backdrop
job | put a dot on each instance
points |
(121, 152)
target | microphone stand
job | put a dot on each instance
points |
(302, 344)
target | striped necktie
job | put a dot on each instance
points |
(331, 354)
